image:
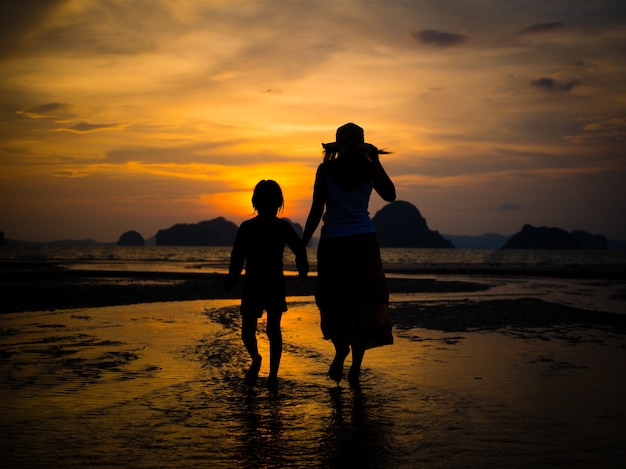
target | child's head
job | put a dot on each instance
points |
(267, 197)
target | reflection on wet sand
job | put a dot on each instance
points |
(161, 385)
(356, 435)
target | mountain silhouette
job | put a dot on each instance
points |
(589, 241)
(400, 224)
(216, 232)
(483, 241)
(543, 237)
(296, 226)
(131, 238)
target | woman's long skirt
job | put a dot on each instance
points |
(352, 293)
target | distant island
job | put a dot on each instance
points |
(131, 238)
(398, 224)
(483, 241)
(216, 232)
(543, 237)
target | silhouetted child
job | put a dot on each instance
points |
(259, 243)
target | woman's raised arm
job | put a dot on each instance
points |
(382, 183)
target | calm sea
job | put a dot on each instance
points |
(396, 260)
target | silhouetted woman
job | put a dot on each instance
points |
(260, 243)
(351, 290)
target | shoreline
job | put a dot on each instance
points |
(443, 299)
(54, 288)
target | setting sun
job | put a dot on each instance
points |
(177, 110)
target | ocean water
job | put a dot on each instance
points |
(592, 280)
(216, 258)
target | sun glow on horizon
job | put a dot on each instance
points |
(120, 117)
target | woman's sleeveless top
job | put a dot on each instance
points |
(346, 210)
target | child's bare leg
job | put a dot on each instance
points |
(335, 371)
(275, 337)
(248, 335)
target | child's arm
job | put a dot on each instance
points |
(299, 249)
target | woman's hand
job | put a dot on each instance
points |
(371, 152)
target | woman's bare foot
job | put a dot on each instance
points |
(335, 372)
(353, 376)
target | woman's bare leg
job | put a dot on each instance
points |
(355, 369)
(335, 371)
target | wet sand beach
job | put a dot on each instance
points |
(484, 371)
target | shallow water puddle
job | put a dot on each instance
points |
(162, 385)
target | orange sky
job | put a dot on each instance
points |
(118, 117)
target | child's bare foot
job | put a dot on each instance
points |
(272, 382)
(253, 371)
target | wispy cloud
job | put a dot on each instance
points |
(44, 111)
(439, 39)
(83, 127)
(507, 207)
(554, 85)
(602, 129)
(542, 28)
(19, 20)
(187, 101)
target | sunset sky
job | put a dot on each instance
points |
(137, 115)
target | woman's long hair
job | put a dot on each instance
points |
(349, 157)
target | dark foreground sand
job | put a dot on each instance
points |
(38, 287)
(118, 369)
